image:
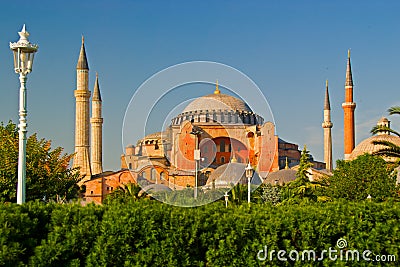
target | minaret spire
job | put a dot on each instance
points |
(327, 126)
(327, 104)
(82, 60)
(97, 131)
(349, 76)
(348, 107)
(82, 116)
(96, 90)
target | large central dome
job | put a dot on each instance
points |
(218, 108)
(217, 102)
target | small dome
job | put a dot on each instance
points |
(366, 146)
(217, 102)
(383, 120)
(231, 174)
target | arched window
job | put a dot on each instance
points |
(130, 165)
(222, 160)
(153, 175)
(162, 176)
(222, 146)
(239, 160)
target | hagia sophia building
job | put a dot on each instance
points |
(212, 132)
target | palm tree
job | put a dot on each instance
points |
(390, 149)
(126, 191)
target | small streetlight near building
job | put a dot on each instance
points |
(24, 53)
(226, 199)
(249, 174)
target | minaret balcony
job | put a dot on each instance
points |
(350, 105)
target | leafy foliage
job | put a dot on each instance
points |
(150, 233)
(302, 188)
(366, 175)
(304, 166)
(125, 193)
(47, 173)
(271, 194)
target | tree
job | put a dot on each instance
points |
(302, 175)
(129, 191)
(270, 193)
(47, 173)
(302, 187)
(366, 175)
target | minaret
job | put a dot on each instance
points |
(327, 125)
(383, 122)
(82, 95)
(97, 131)
(348, 107)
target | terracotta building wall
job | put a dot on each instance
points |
(97, 189)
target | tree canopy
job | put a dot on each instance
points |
(48, 175)
(366, 175)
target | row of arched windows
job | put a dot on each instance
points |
(153, 175)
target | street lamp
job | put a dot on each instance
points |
(196, 131)
(24, 53)
(226, 199)
(249, 174)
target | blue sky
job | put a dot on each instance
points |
(288, 48)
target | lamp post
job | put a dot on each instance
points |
(196, 131)
(24, 53)
(226, 199)
(249, 174)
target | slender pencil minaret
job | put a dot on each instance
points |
(97, 131)
(82, 95)
(327, 125)
(348, 107)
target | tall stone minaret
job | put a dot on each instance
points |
(327, 125)
(97, 131)
(82, 95)
(348, 107)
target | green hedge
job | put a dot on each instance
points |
(149, 233)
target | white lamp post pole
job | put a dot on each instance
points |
(21, 191)
(23, 52)
(249, 174)
(196, 131)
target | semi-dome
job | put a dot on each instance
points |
(367, 146)
(217, 102)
